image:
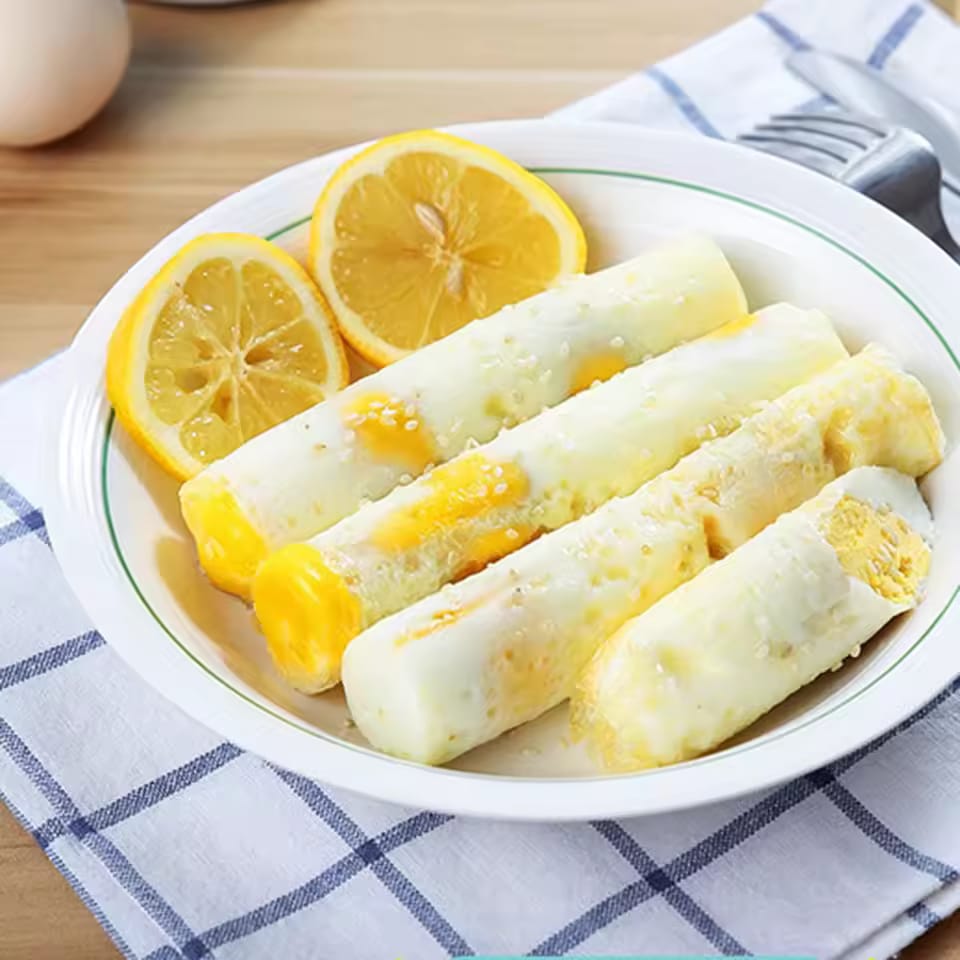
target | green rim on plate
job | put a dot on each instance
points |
(742, 748)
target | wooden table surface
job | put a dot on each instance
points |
(216, 98)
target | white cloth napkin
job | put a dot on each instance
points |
(184, 846)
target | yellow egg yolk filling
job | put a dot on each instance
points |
(391, 429)
(459, 493)
(879, 548)
(229, 547)
(308, 615)
(732, 328)
(596, 369)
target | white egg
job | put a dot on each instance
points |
(60, 61)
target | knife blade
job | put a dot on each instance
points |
(858, 87)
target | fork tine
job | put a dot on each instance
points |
(837, 118)
(805, 154)
(840, 147)
(832, 136)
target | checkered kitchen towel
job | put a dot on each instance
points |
(184, 846)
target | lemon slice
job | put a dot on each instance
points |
(423, 232)
(228, 339)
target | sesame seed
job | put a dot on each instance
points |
(617, 342)
(405, 478)
(411, 425)
(512, 534)
(497, 471)
(388, 421)
(500, 489)
(409, 410)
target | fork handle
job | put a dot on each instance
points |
(944, 240)
(904, 197)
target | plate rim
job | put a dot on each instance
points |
(508, 785)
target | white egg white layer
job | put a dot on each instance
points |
(307, 473)
(503, 646)
(720, 651)
(603, 443)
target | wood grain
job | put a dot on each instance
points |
(40, 916)
(216, 98)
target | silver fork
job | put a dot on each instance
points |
(894, 166)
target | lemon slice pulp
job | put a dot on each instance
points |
(423, 232)
(229, 338)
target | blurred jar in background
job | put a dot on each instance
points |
(60, 61)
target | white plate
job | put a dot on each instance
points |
(791, 235)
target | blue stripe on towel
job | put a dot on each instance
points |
(777, 27)
(731, 835)
(894, 37)
(385, 870)
(923, 916)
(672, 892)
(49, 659)
(119, 867)
(316, 888)
(686, 106)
